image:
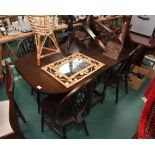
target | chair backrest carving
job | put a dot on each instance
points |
(75, 103)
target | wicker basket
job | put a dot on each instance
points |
(43, 24)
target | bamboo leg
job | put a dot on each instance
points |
(53, 38)
(40, 44)
(38, 49)
(56, 43)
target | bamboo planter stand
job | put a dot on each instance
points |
(43, 27)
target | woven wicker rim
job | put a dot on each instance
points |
(43, 24)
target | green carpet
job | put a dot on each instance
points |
(106, 121)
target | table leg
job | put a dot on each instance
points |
(1, 73)
(38, 101)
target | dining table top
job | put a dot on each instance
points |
(42, 82)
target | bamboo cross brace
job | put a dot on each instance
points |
(40, 46)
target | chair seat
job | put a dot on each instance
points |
(5, 128)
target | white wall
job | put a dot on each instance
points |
(143, 24)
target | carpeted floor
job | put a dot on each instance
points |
(105, 121)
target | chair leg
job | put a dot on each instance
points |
(88, 109)
(38, 101)
(20, 113)
(105, 87)
(64, 132)
(85, 128)
(117, 90)
(126, 85)
(104, 92)
(42, 120)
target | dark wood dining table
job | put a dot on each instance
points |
(44, 83)
(35, 76)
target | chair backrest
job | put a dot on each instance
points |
(25, 46)
(132, 59)
(125, 66)
(9, 83)
(116, 71)
(74, 105)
